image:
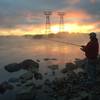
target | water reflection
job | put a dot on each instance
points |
(20, 48)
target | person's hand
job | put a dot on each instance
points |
(82, 48)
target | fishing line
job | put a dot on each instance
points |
(64, 42)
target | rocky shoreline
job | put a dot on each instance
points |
(67, 85)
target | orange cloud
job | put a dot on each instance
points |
(77, 14)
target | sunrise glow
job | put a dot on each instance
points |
(30, 19)
(71, 28)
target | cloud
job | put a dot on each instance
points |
(93, 1)
(14, 13)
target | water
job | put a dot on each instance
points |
(17, 49)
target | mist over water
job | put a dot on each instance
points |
(17, 49)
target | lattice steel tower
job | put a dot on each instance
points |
(61, 24)
(47, 24)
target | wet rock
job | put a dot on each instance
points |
(70, 66)
(13, 80)
(80, 63)
(38, 76)
(46, 73)
(2, 89)
(26, 93)
(78, 70)
(29, 83)
(53, 67)
(53, 59)
(47, 82)
(39, 87)
(23, 81)
(64, 70)
(18, 84)
(12, 67)
(38, 60)
(46, 59)
(4, 86)
(26, 76)
(29, 64)
(7, 85)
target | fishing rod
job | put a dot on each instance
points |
(64, 42)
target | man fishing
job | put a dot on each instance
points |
(91, 52)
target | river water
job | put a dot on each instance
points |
(17, 49)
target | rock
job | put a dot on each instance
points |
(18, 84)
(26, 76)
(83, 94)
(80, 63)
(78, 70)
(45, 73)
(54, 67)
(39, 87)
(7, 85)
(12, 67)
(46, 59)
(38, 60)
(2, 89)
(53, 59)
(4, 86)
(26, 93)
(13, 80)
(29, 83)
(70, 66)
(47, 82)
(64, 70)
(38, 76)
(23, 81)
(29, 64)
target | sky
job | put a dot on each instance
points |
(19, 17)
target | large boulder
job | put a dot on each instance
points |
(38, 76)
(29, 65)
(4, 86)
(68, 67)
(53, 67)
(80, 62)
(12, 67)
(26, 76)
(13, 80)
(26, 93)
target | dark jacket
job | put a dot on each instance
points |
(91, 49)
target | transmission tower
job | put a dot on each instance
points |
(47, 24)
(61, 24)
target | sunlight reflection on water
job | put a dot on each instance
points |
(18, 49)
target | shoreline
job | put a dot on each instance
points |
(54, 79)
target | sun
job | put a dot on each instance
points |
(55, 29)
